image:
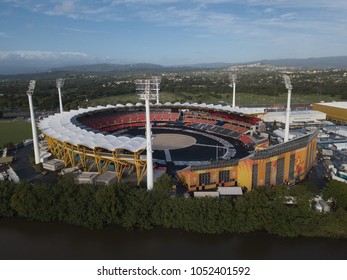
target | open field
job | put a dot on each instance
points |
(15, 132)
(243, 99)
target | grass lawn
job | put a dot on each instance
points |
(13, 131)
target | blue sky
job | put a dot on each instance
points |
(172, 32)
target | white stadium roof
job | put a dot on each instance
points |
(61, 127)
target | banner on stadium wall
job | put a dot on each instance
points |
(300, 169)
(244, 170)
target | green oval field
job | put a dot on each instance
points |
(14, 131)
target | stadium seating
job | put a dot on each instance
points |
(216, 122)
(248, 141)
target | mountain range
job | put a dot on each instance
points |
(321, 62)
(17, 64)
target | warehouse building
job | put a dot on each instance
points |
(297, 118)
(335, 111)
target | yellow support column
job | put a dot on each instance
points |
(119, 165)
(140, 166)
(82, 156)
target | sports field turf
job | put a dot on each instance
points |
(15, 132)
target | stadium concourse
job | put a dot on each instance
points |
(205, 145)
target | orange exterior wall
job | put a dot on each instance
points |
(191, 178)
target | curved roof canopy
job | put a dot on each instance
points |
(62, 126)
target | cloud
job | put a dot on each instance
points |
(25, 61)
(67, 7)
(143, 2)
(209, 21)
(268, 10)
(108, 9)
(78, 30)
(41, 55)
(208, 16)
(4, 35)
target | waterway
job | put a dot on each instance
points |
(21, 239)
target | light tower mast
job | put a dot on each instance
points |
(232, 78)
(60, 84)
(148, 91)
(30, 93)
(156, 83)
(289, 87)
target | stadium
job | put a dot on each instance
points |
(206, 146)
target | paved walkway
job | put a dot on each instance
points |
(26, 171)
(167, 156)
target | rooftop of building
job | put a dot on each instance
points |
(339, 104)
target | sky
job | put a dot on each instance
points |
(172, 32)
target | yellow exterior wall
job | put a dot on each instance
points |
(334, 113)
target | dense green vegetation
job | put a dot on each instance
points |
(263, 87)
(14, 132)
(337, 190)
(98, 206)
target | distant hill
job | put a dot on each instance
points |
(320, 62)
(214, 65)
(323, 62)
(12, 65)
(106, 67)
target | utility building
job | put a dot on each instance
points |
(296, 117)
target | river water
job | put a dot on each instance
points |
(21, 239)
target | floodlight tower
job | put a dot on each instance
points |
(289, 87)
(232, 78)
(156, 84)
(30, 93)
(146, 89)
(60, 84)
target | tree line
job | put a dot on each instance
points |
(97, 206)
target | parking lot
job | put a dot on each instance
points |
(25, 170)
